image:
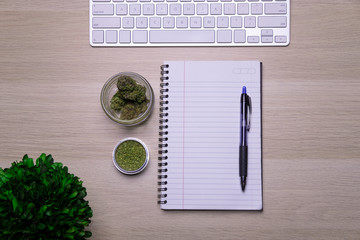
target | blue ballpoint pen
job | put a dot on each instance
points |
(245, 112)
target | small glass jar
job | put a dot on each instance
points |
(110, 88)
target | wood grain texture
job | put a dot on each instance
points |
(50, 82)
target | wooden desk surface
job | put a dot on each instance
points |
(50, 81)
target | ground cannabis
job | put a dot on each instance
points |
(130, 99)
(130, 155)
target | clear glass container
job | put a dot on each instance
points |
(110, 88)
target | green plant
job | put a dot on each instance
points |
(42, 201)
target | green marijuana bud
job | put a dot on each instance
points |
(117, 102)
(130, 99)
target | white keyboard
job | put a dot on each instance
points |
(189, 22)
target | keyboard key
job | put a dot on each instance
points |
(140, 36)
(253, 39)
(266, 39)
(175, 9)
(134, 9)
(121, 9)
(169, 22)
(256, 8)
(182, 36)
(280, 39)
(209, 22)
(243, 9)
(229, 8)
(103, 9)
(202, 9)
(272, 21)
(155, 22)
(215, 8)
(181, 22)
(141, 22)
(195, 22)
(98, 36)
(275, 8)
(148, 9)
(239, 36)
(189, 9)
(124, 36)
(128, 22)
(161, 9)
(223, 22)
(236, 21)
(106, 22)
(249, 22)
(224, 36)
(111, 36)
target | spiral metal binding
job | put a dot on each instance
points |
(162, 176)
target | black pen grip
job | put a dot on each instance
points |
(243, 155)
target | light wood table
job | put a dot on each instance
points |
(50, 82)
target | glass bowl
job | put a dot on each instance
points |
(133, 171)
(110, 88)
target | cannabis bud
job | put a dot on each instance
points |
(130, 99)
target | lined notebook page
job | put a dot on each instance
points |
(204, 136)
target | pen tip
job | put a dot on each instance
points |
(244, 89)
(243, 183)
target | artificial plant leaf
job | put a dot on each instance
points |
(14, 203)
(74, 194)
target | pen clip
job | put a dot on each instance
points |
(248, 101)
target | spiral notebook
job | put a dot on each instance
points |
(200, 136)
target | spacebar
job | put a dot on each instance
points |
(182, 36)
